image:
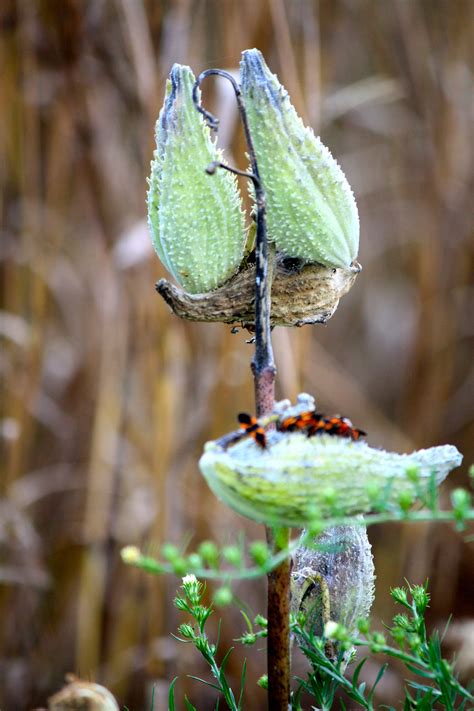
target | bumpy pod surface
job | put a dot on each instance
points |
(196, 220)
(297, 479)
(335, 581)
(311, 210)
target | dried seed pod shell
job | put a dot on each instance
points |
(297, 479)
(303, 295)
(311, 210)
(196, 220)
(81, 695)
(336, 581)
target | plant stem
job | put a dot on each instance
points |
(264, 372)
(278, 614)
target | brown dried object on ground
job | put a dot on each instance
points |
(79, 695)
(301, 294)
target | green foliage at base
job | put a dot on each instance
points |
(435, 684)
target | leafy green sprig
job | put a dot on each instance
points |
(437, 685)
(246, 561)
(191, 601)
(421, 654)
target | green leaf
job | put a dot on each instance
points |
(357, 670)
(204, 681)
(419, 672)
(171, 704)
(225, 659)
(189, 705)
(242, 684)
(247, 621)
(380, 674)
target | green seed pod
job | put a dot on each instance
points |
(297, 479)
(311, 210)
(196, 220)
(334, 581)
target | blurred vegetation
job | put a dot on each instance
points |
(107, 398)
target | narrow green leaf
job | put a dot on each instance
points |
(189, 705)
(357, 670)
(247, 621)
(242, 683)
(419, 672)
(204, 681)
(171, 704)
(225, 659)
(382, 671)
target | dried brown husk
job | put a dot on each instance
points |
(301, 294)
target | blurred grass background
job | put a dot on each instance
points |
(107, 398)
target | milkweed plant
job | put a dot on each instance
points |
(290, 466)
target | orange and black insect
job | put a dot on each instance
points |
(310, 422)
(313, 422)
(342, 427)
(304, 421)
(252, 428)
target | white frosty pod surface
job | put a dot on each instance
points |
(195, 219)
(311, 210)
(334, 579)
(297, 479)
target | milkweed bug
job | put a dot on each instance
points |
(252, 428)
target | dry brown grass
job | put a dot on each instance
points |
(107, 398)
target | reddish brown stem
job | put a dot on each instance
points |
(278, 614)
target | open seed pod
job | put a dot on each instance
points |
(334, 581)
(301, 294)
(296, 479)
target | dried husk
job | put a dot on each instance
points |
(303, 294)
(79, 695)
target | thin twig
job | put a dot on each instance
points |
(264, 372)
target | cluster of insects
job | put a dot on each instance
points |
(310, 423)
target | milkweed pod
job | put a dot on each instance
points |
(196, 220)
(311, 210)
(297, 479)
(333, 580)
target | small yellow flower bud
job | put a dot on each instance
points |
(130, 555)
